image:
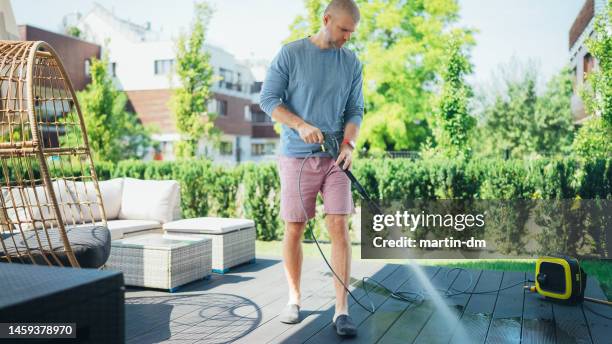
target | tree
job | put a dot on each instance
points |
(189, 101)
(402, 46)
(521, 123)
(554, 120)
(509, 120)
(73, 31)
(453, 123)
(113, 133)
(306, 25)
(594, 137)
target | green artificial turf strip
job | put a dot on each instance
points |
(602, 270)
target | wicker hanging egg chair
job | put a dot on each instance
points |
(51, 210)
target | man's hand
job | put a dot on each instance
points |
(345, 157)
(309, 133)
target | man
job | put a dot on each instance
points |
(314, 85)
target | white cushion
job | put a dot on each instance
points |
(176, 208)
(19, 200)
(213, 225)
(70, 211)
(117, 234)
(148, 199)
(118, 228)
(129, 226)
(111, 192)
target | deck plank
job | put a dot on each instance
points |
(318, 319)
(414, 318)
(200, 301)
(375, 325)
(595, 314)
(443, 323)
(570, 324)
(476, 317)
(242, 307)
(507, 316)
(377, 296)
(538, 321)
(270, 327)
(246, 318)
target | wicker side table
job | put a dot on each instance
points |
(233, 240)
(156, 261)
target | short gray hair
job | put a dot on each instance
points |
(346, 6)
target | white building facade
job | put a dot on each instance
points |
(142, 63)
(8, 25)
(581, 61)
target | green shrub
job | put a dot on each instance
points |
(593, 139)
(253, 191)
(262, 197)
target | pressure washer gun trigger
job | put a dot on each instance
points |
(330, 144)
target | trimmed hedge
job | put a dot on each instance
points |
(253, 190)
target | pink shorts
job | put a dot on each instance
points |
(320, 174)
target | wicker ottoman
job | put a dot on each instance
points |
(156, 261)
(233, 240)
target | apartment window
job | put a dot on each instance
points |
(87, 67)
(257, 149)
(227, 78)
(225, 148)
(588, 65)
(163, 66)
(113, 69)
(218, 106)
(222, 107)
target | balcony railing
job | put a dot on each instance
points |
(230, 86)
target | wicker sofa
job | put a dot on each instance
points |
(133, 205)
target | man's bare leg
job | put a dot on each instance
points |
(292, 258)
(337, 225)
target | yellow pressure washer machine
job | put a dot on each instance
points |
(561, 278)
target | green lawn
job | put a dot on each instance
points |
(599, 269)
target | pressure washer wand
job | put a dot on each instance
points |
(331, 146)
(362, 192)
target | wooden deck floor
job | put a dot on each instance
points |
(242, 307)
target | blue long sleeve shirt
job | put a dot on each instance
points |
(322, 86)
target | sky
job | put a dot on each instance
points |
(523, 30)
